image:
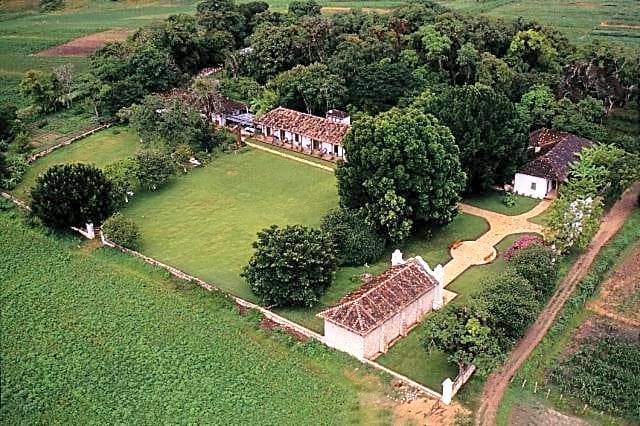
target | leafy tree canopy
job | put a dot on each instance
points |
(72, 195)
(291, 266)
(403, 168)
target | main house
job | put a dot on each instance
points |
(552, 152)
(368, 320)
(306, 131)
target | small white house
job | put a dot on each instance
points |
(552, 152)
(307, 131)
(368, 320)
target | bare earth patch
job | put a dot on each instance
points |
(84, 46)
(606, 24)
(341, 9)
(619, 298)
(539, 415)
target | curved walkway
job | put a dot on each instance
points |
(481, 251)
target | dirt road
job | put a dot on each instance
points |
(498, 381)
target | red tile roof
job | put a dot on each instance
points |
(312, 126)
(379, 299)
(554, 162)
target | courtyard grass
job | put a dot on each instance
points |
(434, 249)
(91, 335)
(102, 148)
(492, 201)
(205, 222)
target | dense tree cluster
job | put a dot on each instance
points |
(403, 170)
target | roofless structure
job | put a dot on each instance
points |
(368, 320)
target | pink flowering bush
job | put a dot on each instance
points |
(521, 243)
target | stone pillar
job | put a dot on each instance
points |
(90, 231)
(447, 391)
(396, 258)
(438, 297)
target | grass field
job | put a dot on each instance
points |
(581, 21)
(493, 202)
(205, 222)
(100, 149)
(93, 336)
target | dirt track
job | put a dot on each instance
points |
(498, 381)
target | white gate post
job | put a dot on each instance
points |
(447, 391)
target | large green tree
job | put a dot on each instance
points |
(488, 131)
(402, 169)
(291, 266)
(309, 88)
(537, 264)
(153, 167)
(464, 334)
(72, 195)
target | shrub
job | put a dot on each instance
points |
(71, 195)
(519, 244)
(536, 263)
(153, 168)
(291, 266)
(509, 199)
(511, 304)
(12, 169)
(355, 241)
(122, 230)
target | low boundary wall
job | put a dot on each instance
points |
(66, 142)
(285, 323)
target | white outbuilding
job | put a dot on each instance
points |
(552, 153)
(368, 320)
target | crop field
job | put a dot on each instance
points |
(105, 147)
(598, 386)
(89, 335)
(581, 21)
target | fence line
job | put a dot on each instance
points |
(244, 303)
(69, 141)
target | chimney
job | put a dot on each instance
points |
(337, 116)
(396, 258)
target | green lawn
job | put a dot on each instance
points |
(206, 221)
(580, 21)
(493, 201)
(295, 154)
(92, 336)
(434, 249)
(100, 149)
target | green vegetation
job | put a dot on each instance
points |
(103, 148)
(206, 221)
(493, 201)
(23, 34)
(433, 247)
(97, 336)
(581, 22)
(548, 352)
(605, 374)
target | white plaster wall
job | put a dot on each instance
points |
(523, 183)
(343, 340)
(378, 339)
